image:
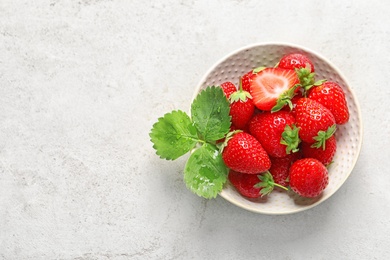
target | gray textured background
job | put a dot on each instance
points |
(82, 82)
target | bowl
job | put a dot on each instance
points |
(348, 136)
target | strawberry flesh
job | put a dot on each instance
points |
(269, 84)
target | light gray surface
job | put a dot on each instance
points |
(82, 82)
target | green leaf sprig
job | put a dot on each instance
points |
(176, 134)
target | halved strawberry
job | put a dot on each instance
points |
(272, 88)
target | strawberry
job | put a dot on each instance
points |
(308, 177)
(272, 88)
(245, 183)
(252, 185)
(324, 155)
(241, 107)
(243, 153)
(312, 117)
(280, 168)
(228, 88)
(295, 61)
(270, 130)
(332, 96)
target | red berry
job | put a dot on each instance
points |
(270, 85)
(312, 117)
(308, 177)
(253, 185)
(245, 183)
(295, 61)
(243, 153)
(268, 128)
(246, 81)
(332, 96)
(228, 88)
(241, 108)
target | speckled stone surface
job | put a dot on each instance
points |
(82, 82)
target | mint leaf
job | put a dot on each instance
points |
(205, 172)
(210, 114)
(173, 135)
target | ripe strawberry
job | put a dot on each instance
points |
(308, 177)
(243, 153)
(295, 61)
(252, 185)
(268, 128)
(272, 88)
(280, 167)
(245, 183)
(312, 117)
(332, 96)
(324, 155)
(228, 88)
(241, 107)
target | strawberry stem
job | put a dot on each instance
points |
(267, 183)
(280, 186)
(239, 95)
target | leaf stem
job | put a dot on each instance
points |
(280, 186)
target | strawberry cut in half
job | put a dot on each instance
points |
(273, 88)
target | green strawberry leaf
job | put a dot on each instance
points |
(173, 135)
(322, 136)
(205, 172)
(210, 114)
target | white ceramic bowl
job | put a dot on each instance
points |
(348, 136)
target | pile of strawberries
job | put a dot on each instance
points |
(283, 125)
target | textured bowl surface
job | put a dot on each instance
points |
(348, 136)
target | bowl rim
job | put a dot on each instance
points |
(348, 86)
